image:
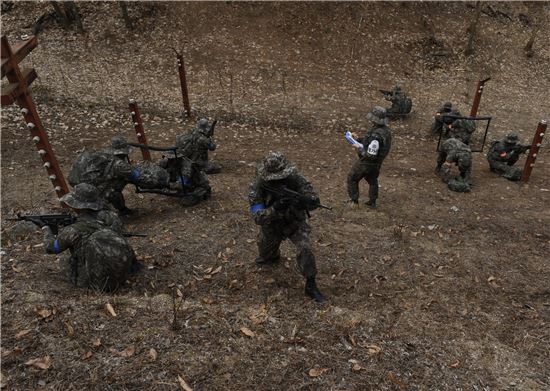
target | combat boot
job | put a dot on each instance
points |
(314, 292)
(371, 204)
(270, 261)
(352, 204)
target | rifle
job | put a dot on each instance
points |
(211, 130)
(386, 92)
(302, 200)
(520, 148)
(52, 221)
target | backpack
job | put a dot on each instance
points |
(185, 144)
(90, 167)
(105, 260)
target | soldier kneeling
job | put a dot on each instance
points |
(100, 256)
(504, 154)
(454, 151)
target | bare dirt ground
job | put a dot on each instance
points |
(433, 290)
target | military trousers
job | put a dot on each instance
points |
(271, 236)
(363, 170)
(506, 169)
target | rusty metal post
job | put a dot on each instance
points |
(533, 152)
(183, 83)
(138, 127)
(477, 97)
(17, 91)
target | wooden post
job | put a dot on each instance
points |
(17, 91)
(183, 83)
(477, 97)
(533, 152)
(138, 127)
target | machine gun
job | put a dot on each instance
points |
(289, 196)
(59, 220)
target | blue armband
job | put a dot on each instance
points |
(56, 248)
(136, 173)
(183, 180)
(211, 146)
(256, 207)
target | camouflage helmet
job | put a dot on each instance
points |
(120, 146)
(378, 116)
(511, 138)
(202, 126)
(448, 106)
(275, 167)
(84, 196)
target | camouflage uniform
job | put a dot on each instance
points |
(100, 257)
(455, 151)
(441, 122)
(401, 104)
(202, 143)
(504, 154)
(462, 130)
(281, 219)
(377, 144)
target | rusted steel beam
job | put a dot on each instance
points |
(32, 119)
(20, 51)
(183, 83)
(138, 127)
(534, 151)
(477, 97)
(13, 90)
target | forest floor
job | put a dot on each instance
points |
(433, 290)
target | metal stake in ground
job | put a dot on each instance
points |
(534, 151)
(138, 127)
(477, 97)
(17, 91)
(183, 83)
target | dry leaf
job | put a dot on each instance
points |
(183, 384)
(153, 354)
(44, 313)
(96, 343)
(491, 279)
(357, 367)
(87, 355)
(373, 349)
(16, 269)
(216, 270)
(246, 331)
(22, 333)
(42, 363)
(70, 329)
(394, 379)
(128, 352)
(110, 309)
(456, 364)
(314, 372)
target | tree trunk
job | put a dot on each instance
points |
(124, 12)
(73, 15)
(60, 14)
(472, 30)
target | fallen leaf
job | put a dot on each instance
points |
(314, 372)
(153, 354)
(96, 343)
(456, 364)
(216, 270)
(16, 269)
(491, 279)
(87, 355)
(246, 331)
(70, 329)
(394, 379)
(42, 363)
(183, 384)
(22, 333)
(356, 367)
(110, 309)
(373, 349)
(128, 352)
(44, 313)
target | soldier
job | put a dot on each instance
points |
(462, 130)
(100, 257)
(401, 103)
(454, 151)
(110, 171)
(504, 154)
(197, 145)
(284, 217)
(441, 121)
(376, 145)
